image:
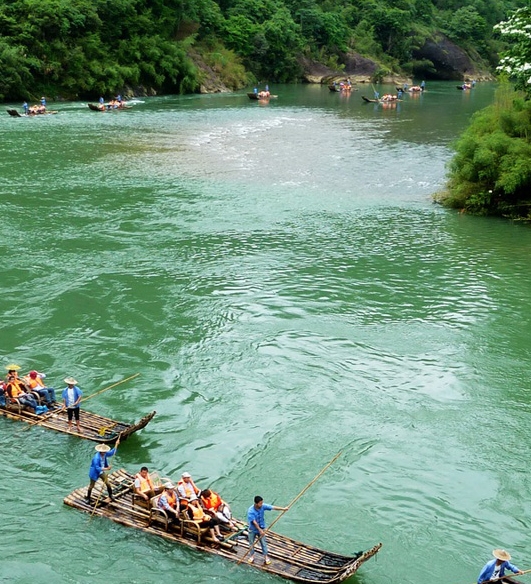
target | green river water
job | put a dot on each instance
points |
(284, 285)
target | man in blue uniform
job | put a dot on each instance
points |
(255, 516)
(495, 569)
(100, 466)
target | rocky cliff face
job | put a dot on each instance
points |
(450, 61)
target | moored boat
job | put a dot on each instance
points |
(93, 426)
(290, 559)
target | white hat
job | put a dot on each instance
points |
(70, 381)
(501, 555)
(102, 448)
(186, 475)
(169, 486)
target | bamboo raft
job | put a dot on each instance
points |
(93, 426)
(290, 559)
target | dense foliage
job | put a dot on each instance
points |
(92, 47)
(516, 61)
(490, 173)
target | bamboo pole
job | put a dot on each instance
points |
(506, 576)
(289, 506)
(110, 387)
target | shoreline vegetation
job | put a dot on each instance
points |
(490, 173)
(82, 49)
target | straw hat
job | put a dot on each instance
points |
(169, 486)
(102, 448)
(12, 367)
(501, 555)
(70, 381)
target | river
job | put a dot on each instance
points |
(282, 281)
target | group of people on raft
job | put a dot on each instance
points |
(29, 390)
(31, 110)
(185, 500)
(114, 103)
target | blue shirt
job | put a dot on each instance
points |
(488, 570)
(99, 463)
(254, 514)
(77, 394)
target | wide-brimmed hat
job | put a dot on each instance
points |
(12, 367)
(501, 555)
(186, 475)
(169, 486)
(70, 381)
(102, 448)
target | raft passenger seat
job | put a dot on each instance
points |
(157, 514)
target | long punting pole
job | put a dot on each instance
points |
(290, 505)
(110, 387)
(45, 417)
(507, 577)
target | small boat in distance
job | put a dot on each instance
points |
(14, 113)
(290, 559)
(107, 107)
(261, 95)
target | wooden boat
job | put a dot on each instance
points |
(93, 427)
(367, 100)
(337, 88)
(16, 114)
(252, 95)
(107, 108)
(290, 559)
(464, 87)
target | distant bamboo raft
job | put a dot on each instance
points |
(289, 558)
(93, 427)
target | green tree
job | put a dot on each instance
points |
(516, 60)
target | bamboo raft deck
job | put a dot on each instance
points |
(93, 426)
(290, 559)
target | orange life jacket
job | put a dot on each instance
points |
(146, 484)
(13, 389)
(213, 502)
(172, 499)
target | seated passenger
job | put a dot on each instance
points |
(217, 507)
(187, 489)
(197, 513)
(15, 389)
(144, 486)
(34, 382)
(169, 502)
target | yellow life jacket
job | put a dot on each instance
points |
(187, 489)
(198, 513)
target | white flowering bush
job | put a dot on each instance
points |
(516, 61)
